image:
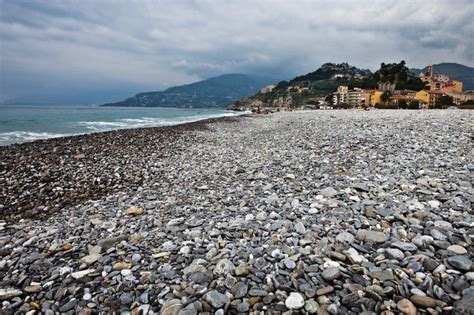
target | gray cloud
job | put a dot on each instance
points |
(54, 49)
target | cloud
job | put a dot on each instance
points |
(149, 45)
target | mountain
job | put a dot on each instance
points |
(455, 71)
(219, 91)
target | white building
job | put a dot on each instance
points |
(267, 89)
(341, 95)
(353, 97)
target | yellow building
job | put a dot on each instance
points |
(376, 98)
(428, 98)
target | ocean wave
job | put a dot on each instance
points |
(11, 137)
(26, 136)
(143, 122)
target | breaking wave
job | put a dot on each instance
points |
(83, 127)
(143, 122)
(26, 136)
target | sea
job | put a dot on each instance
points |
(24, 123)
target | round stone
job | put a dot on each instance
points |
(331, 273)
(242, 271)
(423, 301)
(394, 253)
(223, 267)
(136, 258)
(294, 301)
(460, 262)
(311, 306)
(290, 264)
(171, 307)
(216, 299)
(32, 289)
(407, 307)
(243, 307)
(456, 249)
(239, 290)
(345, 237)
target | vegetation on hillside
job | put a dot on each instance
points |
(399, 74)
(316, 85)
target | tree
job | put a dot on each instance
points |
(444, 101)
(414, 104)
(402, 104)
(282, 85)
(329, 99)
(385, 97)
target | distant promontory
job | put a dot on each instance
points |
(216, 92)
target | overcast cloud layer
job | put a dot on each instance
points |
(96, 51)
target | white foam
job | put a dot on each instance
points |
(26, 136)
(99, 126)
(143, 122)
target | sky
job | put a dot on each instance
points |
(95, 51)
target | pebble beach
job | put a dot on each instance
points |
(305, 212)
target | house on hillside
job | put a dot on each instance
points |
(386, 87)
(440, 82)
(267, 89)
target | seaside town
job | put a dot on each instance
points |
(436, 87)
(428, 90)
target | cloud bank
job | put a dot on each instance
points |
(95, 51)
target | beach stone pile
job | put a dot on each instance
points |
(315, 212)
(41, 178)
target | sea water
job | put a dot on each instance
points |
(22, 123)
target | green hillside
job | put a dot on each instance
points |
(311, 87)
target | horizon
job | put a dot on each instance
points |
(46, 103)
(93, 53)
(31, 103)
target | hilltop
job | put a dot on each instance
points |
(316, 85)
(218, 91)
(455, 71)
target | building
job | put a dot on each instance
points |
(267, 89)
(341, 95)
(367, 96)
(399, 95)
(358, 97)
(386, 87)
(460, 98)
(428, 98)
(440, 82)
(354, 98)
(376, 98)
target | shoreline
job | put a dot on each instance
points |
(118, 129)
(69, 151)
